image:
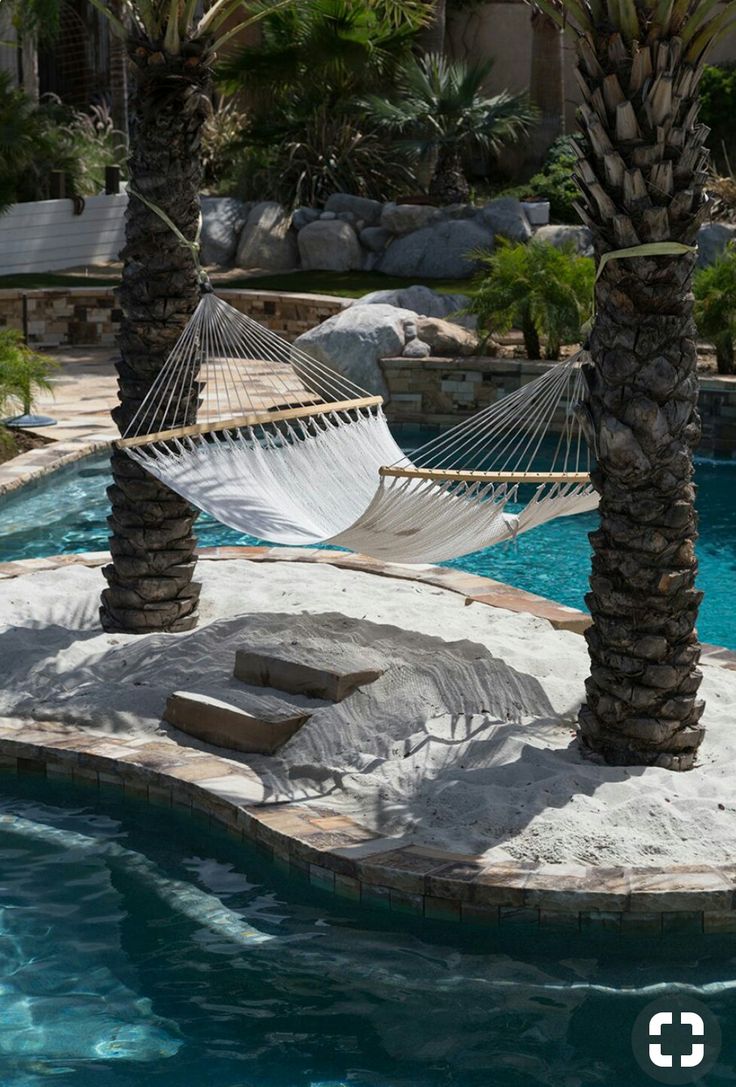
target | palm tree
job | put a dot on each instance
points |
(641, 177)
(171, 50)
(172, 47)
(442, 113)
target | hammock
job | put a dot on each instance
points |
(271, 442)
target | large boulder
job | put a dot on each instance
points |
(712, 240)
(505, 218)
(422, 300)
(359, 206)
(404, 218)
(302, 216)
(223, 218)
(445, 337)
(353, 342)
(267, 241)
(562, 235)
(442, 250)
(329, 245)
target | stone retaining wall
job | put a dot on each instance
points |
(89, 316)
(443, 392)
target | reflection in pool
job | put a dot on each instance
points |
(119, 969)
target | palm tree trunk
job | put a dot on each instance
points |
(150, 583)
(449, 184)
(642, 181)
(724, 353)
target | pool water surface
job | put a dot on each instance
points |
(67, 513)
(183, 958)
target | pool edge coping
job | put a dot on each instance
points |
(336, 853)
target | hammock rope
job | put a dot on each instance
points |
(272, 442)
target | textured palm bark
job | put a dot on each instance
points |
(449, 184)
(642, 180)
(150, 584)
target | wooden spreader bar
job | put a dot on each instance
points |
(442, 475)
(256, 419)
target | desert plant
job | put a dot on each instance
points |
(23, 373)
(715, 307)
(544, 291)
(221, 134)
(330, 154)
(441, 113)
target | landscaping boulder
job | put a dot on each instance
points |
(374, 238)
(564, 234)
(422, 300)
(505, 218)
(302, 216)
(329, 245)
(446, 338)
(712, 240)
(443, 250)
(223, 218)
(404, 218)
(267, 241)
(353, 342)
(358, 206)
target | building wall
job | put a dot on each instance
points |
(502, 31)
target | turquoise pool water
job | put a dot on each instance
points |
(67, 512)
(182, 958)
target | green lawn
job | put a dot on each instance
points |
(344, 284)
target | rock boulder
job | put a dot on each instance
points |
(564, 234)
(712, 240)
(267, 241)
(505, 218)
(353, 342)
(442, 250)
(223, 218)
(359, 206)
(329, 245)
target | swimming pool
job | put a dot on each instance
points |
(66, 513)
(183, 958)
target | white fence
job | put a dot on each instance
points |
(46, 235)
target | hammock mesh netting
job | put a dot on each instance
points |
(271, 442)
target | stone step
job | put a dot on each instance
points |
(228, 725)
(331, 679)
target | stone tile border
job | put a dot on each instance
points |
(40, 462)
(335, 853)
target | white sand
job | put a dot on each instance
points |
(465, 743)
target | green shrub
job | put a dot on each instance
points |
(717, 111)
(38, 139)
(544, 291)
(330, 154)
(715, 307)
(23, 373)
(555, 180)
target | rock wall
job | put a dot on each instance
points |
(443, 392)
(89, 316)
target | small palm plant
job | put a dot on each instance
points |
(715, 307)
(544, 291)
(23, 373)
(441, 113)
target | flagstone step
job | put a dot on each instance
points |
(227, 725)
(332, 679)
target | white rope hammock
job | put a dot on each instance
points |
(271, 442)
